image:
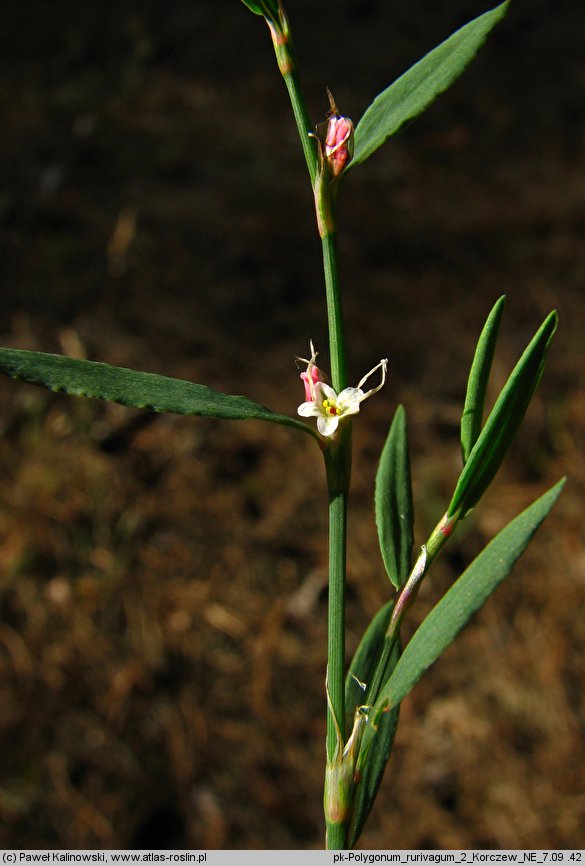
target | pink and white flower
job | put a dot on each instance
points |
(328, 407)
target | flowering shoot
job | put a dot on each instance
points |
(328, 407)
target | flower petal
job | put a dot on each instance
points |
(324, 391)
(348, 395)
(349, 401)
(308, 410)
(327, 424)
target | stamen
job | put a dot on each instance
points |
(313, 356)
(383, 364)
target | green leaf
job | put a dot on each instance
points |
(132, 388)
(393, 502)
(472, 418)
(254, 7)
(268, 8)
(362, 668)
(421, 84)
(372, 762)
(500, 428)
(364, 661)
(460, 602)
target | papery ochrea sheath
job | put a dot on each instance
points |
(324, 404)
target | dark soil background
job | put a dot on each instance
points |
(162, 595)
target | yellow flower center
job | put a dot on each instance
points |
(330, 407)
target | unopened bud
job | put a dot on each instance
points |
(338, 143)
(335, 137)
(310, 380)
(335, 143)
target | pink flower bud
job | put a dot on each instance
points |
(338, 143)
(309, 382)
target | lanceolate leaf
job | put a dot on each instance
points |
(460, 602)
(254, 7)
(372, 763)
(421, 84)
(393, 501)
(472, 417)
(131, 388)
(364, 661)
(503, 422)
(268, 8)
(361, 670)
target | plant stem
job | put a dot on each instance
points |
(407, 595)
(336, 617)
(338, 451)
(337, 785)
(336, 837)
(338, 466)
(284, 50)
(301, 115)
(334, 312)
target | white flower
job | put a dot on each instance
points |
(326, 405)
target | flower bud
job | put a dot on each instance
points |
(310, 379)
(338, 143)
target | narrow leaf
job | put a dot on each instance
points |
(460, 602)
(364, 661)
(361, 670)
(414, 91)
(472, 418)
(254, 7)
(393, 502)
(500, 428)
(132, 388)
(437, 631)
(372, 764)
(268, 8)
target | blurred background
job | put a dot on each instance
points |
(162, 579)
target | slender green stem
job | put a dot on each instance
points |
(338, 773)
(334, 312)
(301, 115)
(336, 837)
(338, 462)
(337, 453)
(284, 49)
(336, 618)
(338, 466)
(406, 597)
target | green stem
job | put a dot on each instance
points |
(301, 115)
(407, 595)
(338, 466)
(336, 618)
(284, 50)
(337, 782)
(336, 837)
(334, 312)
(337, 452)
